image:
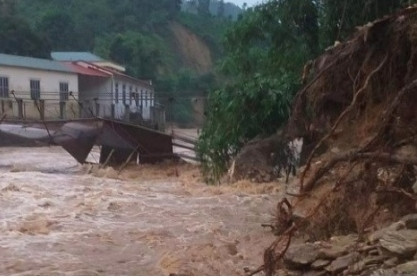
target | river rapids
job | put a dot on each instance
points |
(61, 218)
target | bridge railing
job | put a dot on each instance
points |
(49, 108)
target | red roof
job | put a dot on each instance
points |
(143, 82)
(85, 70)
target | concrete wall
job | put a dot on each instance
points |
(95, 95)
(98, 94)
(145, 102)
(19, 82)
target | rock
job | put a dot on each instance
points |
(375, 236)
(300, 256)
(368, 271)
(391, 262)
(335, 150)
(367, 248)
(314, 273)
(332, 252)
(415, 187)
(374, 252)
(279, 272)
(374, 260)
(402, 243)
(342, 263)
(338, 246)
(320, 264)
(410, 221)
(409, 268)
(293, 273)
(383, 272)
(355, 268)
(396, 226)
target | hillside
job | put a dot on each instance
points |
(151, 38)
(194, 52)
(218, 8)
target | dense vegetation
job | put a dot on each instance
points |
(266, 51)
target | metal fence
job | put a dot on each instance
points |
(52, 107)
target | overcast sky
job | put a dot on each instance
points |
(249, 2)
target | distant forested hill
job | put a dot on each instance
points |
(153, 39)
(218, 8)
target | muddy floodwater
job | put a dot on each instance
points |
(61, 218)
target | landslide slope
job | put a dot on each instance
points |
(194, 53)
(358, 117)
(357, 114)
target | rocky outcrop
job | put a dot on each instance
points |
(303, 255)
(388, 251)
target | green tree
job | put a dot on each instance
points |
(17, 38)
(7, 8)
(265, 53)
(221, 9)
(142, 54)
(204, 7)
(339, 18)
(57, 27)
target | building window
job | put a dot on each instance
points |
(116, 96)
(4, 87)
(35, 89)
(137, 98)
(63, 91)
(130, 95)
(124, 93)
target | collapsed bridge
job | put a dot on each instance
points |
(119, 142)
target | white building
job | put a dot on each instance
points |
(27, 84)
(80, 84)
(106, 90)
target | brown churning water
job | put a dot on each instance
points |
(56, 218)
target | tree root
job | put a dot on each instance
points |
(355, 155)
(396, 190)
(387, 116)
(275, 252)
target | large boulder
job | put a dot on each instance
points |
(402, 243)
(408, 268)
(342, 263)
(410, 221)
(301, 255)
